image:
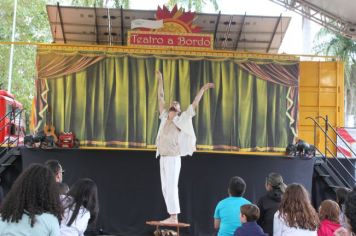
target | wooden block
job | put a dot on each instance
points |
(158, 223)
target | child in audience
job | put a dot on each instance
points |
(63, 188)
(226, 217)
(56, 168)
(1, 192)
(329, 218)
(269, 203)
(341, 194)
(350, 212)
(32, 206)
(249, 214)
(350, 216)
(81, 207)
(296, 216)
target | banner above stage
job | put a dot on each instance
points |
(144, 38)
(177, 30)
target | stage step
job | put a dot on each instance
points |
(330, 174)
(9, 158)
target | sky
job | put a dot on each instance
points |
(294, 38)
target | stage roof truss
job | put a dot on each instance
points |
(96, 26)
(240, 32)
(325, 13)
(103, 26)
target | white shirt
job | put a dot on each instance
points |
(187, 138)
(79, 225)
(45, 225)
(280, 228)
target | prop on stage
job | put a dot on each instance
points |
(68, 140)
(301, 149)
(40, 140)
(45, 141)
(163, 232)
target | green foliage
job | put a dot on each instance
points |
(196, 5)
(101, 3)
(329, 43)
(31, 26)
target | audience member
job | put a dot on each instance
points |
(81, 207)
(56, 168)
(350, 216)
(2, 195)
(329, 212)
(343, 232)
(249, 214)
(269, 203)
(350, 212)
(296, 216)
(32, 206)
(63, 188)
(226, 216)
(341, 194)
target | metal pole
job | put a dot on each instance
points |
(12, 47)
(326, 134)
(314, 135)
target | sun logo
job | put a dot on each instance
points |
(176, 21)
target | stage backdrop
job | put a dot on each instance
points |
(110, 99)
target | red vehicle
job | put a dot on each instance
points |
(12, 120)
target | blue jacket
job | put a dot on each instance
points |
(250, 229)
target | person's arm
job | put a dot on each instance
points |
(216, 223)
(262, 212)
(277, 225)
(200, 94)
(217, 218)
(161, 102)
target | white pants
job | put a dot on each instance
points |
(170, 169)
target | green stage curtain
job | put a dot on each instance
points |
(113, 102)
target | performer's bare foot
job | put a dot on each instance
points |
(173, 219)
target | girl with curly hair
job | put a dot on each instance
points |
(296, 216)
(32, 206)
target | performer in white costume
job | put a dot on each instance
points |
(175, 138)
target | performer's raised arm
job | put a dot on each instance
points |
(200, 94)
(161, 102)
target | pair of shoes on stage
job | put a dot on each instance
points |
(170, 220)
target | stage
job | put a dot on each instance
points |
(130, 190)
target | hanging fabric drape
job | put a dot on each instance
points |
(52, 65)
(111, 100)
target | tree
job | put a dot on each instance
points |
(31, 26)
(329, 43)
(101, 3)
(196, 5)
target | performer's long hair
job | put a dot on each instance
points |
(34, 192)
